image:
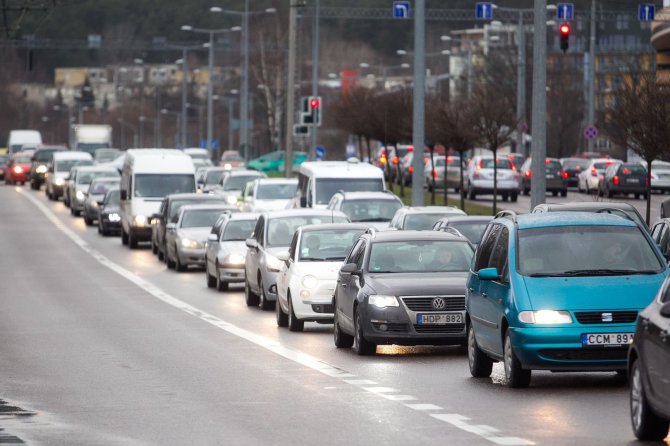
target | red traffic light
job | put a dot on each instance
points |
(565, 29)
(314, 103)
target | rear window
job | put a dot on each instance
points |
(280, 230)
(577, 164)
(487, 163)
(602, 166)
(553, 165)
(238, 230)
(632, 169)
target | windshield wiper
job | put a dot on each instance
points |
(599, 272)
(334, 258)
(364, 220)
(312, 259)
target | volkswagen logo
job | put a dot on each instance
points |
(439, 303)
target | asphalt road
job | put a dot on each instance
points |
(104, 345)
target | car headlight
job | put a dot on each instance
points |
(545, 317)
(80, 195)
(114, 217)
(191, 244)
(234, 259)
(94, 203)
(309, 281)
(41, 169)
(140, 221)
(273, 263)
(231, 199)
(59, 182)
(382, 301)
(18, 169)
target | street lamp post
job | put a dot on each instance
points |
(140, 62)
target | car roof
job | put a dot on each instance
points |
(556, 219)
(468, 218)
(392, 236)
(244, 172)
(303, 212)
(340, 169)
(72, 155)
(276, 180)
(106, 180)
(97, 168)
(244, 216)
(429, 209)
(193, 195)
(372, 194)
(588, 206)
(202, 207)
(334, 226)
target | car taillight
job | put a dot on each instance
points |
(475, 175)
(382, 159)
(528, 173)
(411, 169)
(511, 164)
(434, 173)
(479, 164)
(594, 172)
(547, 162)
(564, 175)
(450, 160)
(625, 171)
(395, 160)
(578, 168)
(615, 180)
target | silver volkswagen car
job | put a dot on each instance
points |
(226, 249)
(272, 235)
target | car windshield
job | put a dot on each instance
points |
(100, 187)
(237, 182)
(113, 198)
(22, 159)
(578, 164)
(238, 230)
(160, 185)
(423, 222)
(67, 165)
(327, 245)
(503, 163)
(586, 251)
(106, 156)
(91, 147)
(276, 191)
(201, 218)
(471, 231)
(87, 177)
(420, 256)
(214, 177)
(3, 160)
(281, 229)
(44, 155)
(176, 205)
(327, 187)
(370, 210)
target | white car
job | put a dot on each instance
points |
(308, 276)
(481, 173)
(589, 179)
(268, 194)
(234, 183)
(225, 250)
(660, 175)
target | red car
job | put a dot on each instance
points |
(18, 168)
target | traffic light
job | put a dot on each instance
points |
(311, 111)
(564, 31)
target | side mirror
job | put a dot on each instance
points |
(171, 226)
(212, 238)
(488, 274)
(251, 243)
(101, 202)
(283, 256)
(124, 194)
(665, 310)
(349, 268)
(303, 202)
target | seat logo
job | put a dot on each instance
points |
(439, 303)
(607, 317)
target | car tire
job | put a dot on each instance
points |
(178, 266)
(514, 198)
(610, 194)
(472, 194)
(294, 324)
(169, 262)
(362, 346)
(132, 241)
(526, 191)
(282, 318)
(211, 280)
(515, 375)
(564, 193)
(341, 339)
(481, 365)
(220, 284)
(124, 237)
(161, 256)
(264, 303)
(88, 221)
(646, 424)
(250, 298)
(505, 197)
(154, 247)
(554, 193)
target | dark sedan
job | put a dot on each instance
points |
(648, 365)
(402, 287)
(626, 178)
(110, 219)
(573, 167)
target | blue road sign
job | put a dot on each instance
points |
(215, 144)
(320, 152)
(590, 132)
(646, 12)
(484, 11)
(565, 11)
(401, 10)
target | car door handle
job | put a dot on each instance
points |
(471, 289)
(485, 295)
(344, 285)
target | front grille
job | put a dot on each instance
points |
(440, 329)
(453, 303)
(585, 354)
(391, 327)
(596, 317)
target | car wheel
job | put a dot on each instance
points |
(646, 424)
(341, 339)
(220, 284)
(282, 318)
(514, 198)
(554, 193)
(154, 247)
(472, 195)
(362, 346)
(169, 262)
(505, 197)
(481, 365)
(515, 375)
(178, 266)
(265, 304)
(250, 298)
(526, 191)
(610, 194)
(132, 241)
(161, 256)
(564, 193)
(211, 280)
(124, 236)
(88, 221)
(294, 324)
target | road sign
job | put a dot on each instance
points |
(646, 12)
(320, 152)
(401, 10)
(300, 130)
(590, 132)
(484, 11)
(565, 11)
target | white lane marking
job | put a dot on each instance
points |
(456, 420)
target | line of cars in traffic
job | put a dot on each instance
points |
(569, 287)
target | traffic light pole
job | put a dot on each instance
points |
(418, 128)
(591, 112)
(539, 126)
(315, 73)
(290, 90)
(521, 86)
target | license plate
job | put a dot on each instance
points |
(550, 176)
(634, 180)
(440, 319)
(589, 339)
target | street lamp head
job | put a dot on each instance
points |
(445, 52)
(401, 53)
(179, 61)
(445, 38)
(164, 111)
(364, 65)
(205, 45)
(404, 65)
(551, 22)
(551, 7)
(496, 24)
(234, 91)
(271, 10)
(138, 61)
(215, 9)
(186, 28)
(236, 28)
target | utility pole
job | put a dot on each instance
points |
(184, 97)
(290, 90)
(315, 71)
(418, 123)
(210, 94)
(591, 112)
(539, 130)
(521, 86)
(244, 94)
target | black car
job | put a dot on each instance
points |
(648, 368)
(169, 213)
(622, 209)
(472, 227)
(624, 178)
(109, 221)
(573, 167)
(402, 287)
(42, 159)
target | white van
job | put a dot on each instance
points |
(319, 181)
(89, 137)
(147, 176)
(60, 168)
(17, 138)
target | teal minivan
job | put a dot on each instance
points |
(558, 291)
